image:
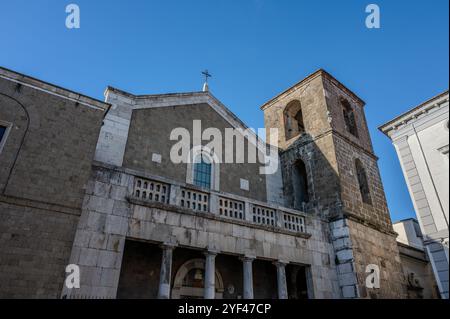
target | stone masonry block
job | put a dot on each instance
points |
(88, 257)
(349, 292)
(344, 255)
(107, 259)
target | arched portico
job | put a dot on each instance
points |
(185, 287)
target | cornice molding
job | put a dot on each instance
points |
(415, 114)
(309, 78)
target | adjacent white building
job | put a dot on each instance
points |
(421, 139)
(416, 266)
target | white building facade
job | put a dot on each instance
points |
(421, 139)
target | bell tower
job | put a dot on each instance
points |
(329, 168)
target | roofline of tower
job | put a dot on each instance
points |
(320, 72)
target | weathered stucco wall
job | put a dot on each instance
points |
(415, 261)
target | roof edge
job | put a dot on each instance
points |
(405, 220)
(319, 72)
(207, 94)
(385, 128)
(52, 89)
(143, 96)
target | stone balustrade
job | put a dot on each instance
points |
(224, 205)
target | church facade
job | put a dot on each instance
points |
(139, 225)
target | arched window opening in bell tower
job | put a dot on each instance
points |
(293, 120)
(363, 182)
(300, 184)
(349, 118)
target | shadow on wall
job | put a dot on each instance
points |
(310, 181)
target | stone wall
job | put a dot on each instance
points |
(48, 154)
(100, 237)
(376, 213)
(149, 134)
(320, 161)
(334, 92)
(358, 246)
(108, 218)
(345, 260)
(371, 246)
(314, 109)
(44, 166)
(329, 152)
(422, 284)
(35, 245)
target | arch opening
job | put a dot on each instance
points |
(349, 118)
(293, 120)
(189, 281)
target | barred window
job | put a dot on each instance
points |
(202, 172)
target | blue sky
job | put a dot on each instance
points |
(254, 49)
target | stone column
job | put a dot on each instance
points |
(166, 271)
(281, 279)
(247, 262)
(210, 275)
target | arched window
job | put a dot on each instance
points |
(300, 184)
(363, 182)
(202, 171)
(203, 168)
(293, 120)
(349, 118)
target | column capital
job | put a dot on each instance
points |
(211, 252)
(247, 258)
(167, 245)
(280, 263)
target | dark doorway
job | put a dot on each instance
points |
(297, 282)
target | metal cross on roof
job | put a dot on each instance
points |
(207, 75)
